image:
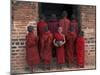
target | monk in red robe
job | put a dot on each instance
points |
(80, 50)
(40, 25)
(46, 48)
(70, 42)
(59, 41)
(53, 24)
(32, 55)
(64, 23)
(40, 29)
(74, 23)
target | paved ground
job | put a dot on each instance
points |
(53, 67)
(64, 68)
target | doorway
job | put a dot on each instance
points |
(52, 8)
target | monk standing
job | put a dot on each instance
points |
(74, 23)
(46, 48)
(80, 50)
(64, 23)
(53, 24)
(32, 55)
(59, 41)
(70, 46)
(40, 29)
(41, 25)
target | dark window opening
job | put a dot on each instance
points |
(51, 8)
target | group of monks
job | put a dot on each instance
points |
(62, 36)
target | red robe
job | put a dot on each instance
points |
(65, 24)
(74, 23)
(46, 47)
(40, 31)
(80, 50)
(60, 53)
(70, 47)
(40, 27)
(53, 25)
(32, 55)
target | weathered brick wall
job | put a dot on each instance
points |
(22, 14)
(88, 23)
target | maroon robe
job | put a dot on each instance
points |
(80, 51)
(74, 23)
(32, 55)
(40, 27)
(53, 25)
(40, 31)
(60, 53)
(70, 47)
(65, 24)
(46, 47)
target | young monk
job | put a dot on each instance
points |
(70, 46)
(46, 48)
(64, 22)
(40, 29)
(74, 23)
(53, 24)
(32, 55)
(41, 25)
(80, 50)
(59, 41)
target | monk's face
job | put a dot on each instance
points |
(60, 29)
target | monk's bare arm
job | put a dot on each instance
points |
(55, 43)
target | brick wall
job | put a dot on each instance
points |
(88, 23)
(23, 14)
